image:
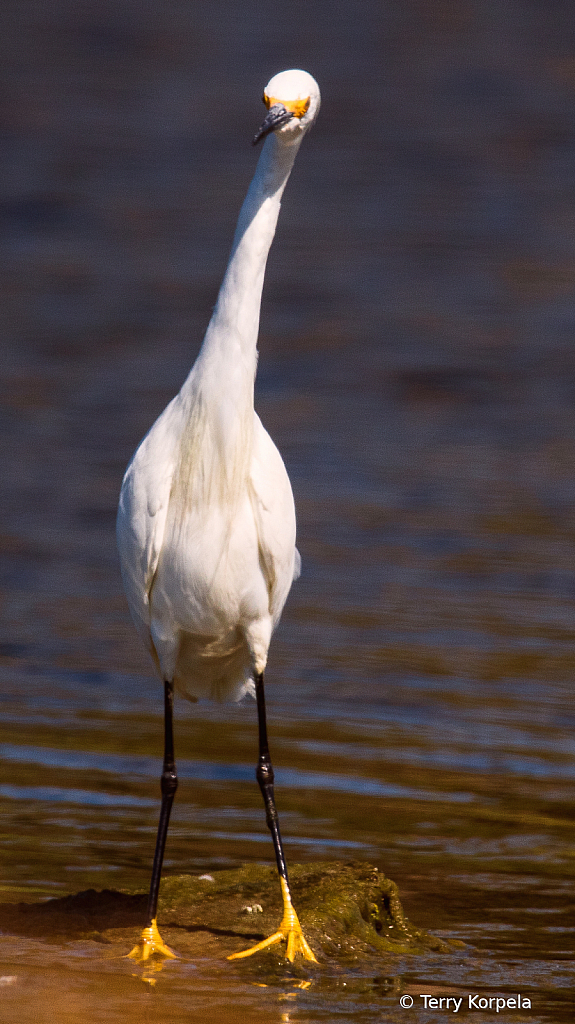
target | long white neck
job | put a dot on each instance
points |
(231, 338)
(218, 394)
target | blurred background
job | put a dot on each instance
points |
(417, 374)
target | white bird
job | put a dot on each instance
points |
(206, 521)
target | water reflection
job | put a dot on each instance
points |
(69, 795)
(205, 770)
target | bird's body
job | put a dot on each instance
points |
(206, 521)
(208, 557)
(206, 524)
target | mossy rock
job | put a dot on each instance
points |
(347, 912)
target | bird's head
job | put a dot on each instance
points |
(293, 100)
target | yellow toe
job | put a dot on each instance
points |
(270, 941)
(296, 943)
(150, 943)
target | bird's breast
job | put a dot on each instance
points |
(209, 577)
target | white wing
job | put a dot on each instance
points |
(142, 512)
(274, 512)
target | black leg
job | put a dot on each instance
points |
(265, 777)
(150, 939)
(169, 785)
(289, 929)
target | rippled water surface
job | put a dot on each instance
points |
(417, 373)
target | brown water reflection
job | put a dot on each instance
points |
(417, 374)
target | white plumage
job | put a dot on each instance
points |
(206, 522)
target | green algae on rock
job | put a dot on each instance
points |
(345, 909)
(348, 911)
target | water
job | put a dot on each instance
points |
(416, 372)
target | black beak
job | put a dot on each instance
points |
(277, 115)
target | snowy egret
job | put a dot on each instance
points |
(206, 521)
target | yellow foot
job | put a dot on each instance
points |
(296, 943)
(289, 929)
(150, 943)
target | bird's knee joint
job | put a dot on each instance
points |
(265, 774)
(169, 783)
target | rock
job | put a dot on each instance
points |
(347, 911)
